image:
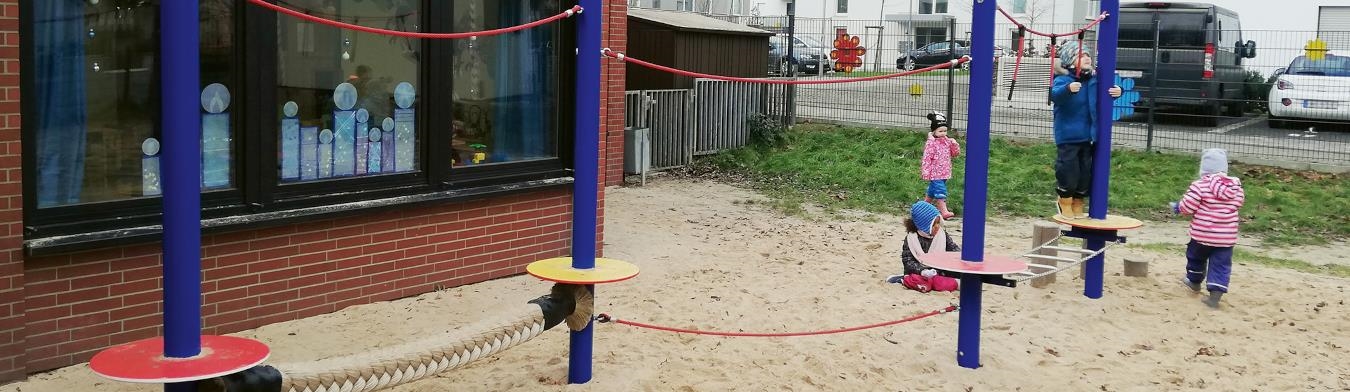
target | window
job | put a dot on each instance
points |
(842, 6)
(332, 116)
(737, 7)
(933, 6)
(95, 101)
(684, 5)
(1019, 6)
(1230, 33)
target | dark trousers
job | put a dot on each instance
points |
(1073, 169)
(1209, 264)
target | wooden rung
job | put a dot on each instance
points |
(1042, 266)
(1046, 257)
(1063, 249)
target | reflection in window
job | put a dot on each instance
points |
(348, 99)
(505, 86)
(96, 99)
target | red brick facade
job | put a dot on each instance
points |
(60, 310)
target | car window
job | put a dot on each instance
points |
(938, 46)
(1181, 30)
(1332, 65)
(1136, 29)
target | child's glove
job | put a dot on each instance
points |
(1176, 208)
(928, 273)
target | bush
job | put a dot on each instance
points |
(1255, 90)
(767, 132)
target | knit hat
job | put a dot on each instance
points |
(923, 215)
(938, 120)
(1068, 53)
(1213, 160)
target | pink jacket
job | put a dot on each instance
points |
(937, 158)
(1214, 201)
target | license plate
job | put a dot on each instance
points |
(1131, 74)
(1311, 104)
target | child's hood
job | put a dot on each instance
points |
(1224, 187)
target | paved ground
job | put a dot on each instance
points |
(889, 103)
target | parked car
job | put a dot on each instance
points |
(940, 52)
(809, 56)
(1199, 52)
(1311, 90)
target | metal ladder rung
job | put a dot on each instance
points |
(1048, 257)
(1063, 249)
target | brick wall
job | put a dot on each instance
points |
(11, 198)
(80, 303)
(60, 310)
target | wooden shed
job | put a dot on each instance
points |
(691, 42)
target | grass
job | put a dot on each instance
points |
(878, 171)
(1244, 256)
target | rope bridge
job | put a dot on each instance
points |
(387, 367)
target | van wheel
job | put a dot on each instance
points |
(1277, 122)
(1235, 109)
(1209, 117)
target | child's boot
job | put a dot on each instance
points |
(1079, 208)
(1194, 286)
(1066, 207)
(942, 207)
(1213, 300)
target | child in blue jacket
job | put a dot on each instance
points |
(1075, 99)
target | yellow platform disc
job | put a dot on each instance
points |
(1112, 222)
(560, 270)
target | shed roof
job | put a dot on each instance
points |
(688, 21)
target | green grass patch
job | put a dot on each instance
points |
(1244, 256)
(877, 170)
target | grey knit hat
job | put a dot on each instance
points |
(1068, 52)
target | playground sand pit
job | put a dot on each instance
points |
(714, 258)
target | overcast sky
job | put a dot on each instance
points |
(1280, 28)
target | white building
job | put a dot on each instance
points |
(1333, 27)
(714, 7)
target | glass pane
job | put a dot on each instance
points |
(1181, 30)
(506, 86)
(1136, 30)
(96, 93)
(348, 99)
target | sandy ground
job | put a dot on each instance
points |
(712, 257)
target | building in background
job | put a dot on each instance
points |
(1333, 26)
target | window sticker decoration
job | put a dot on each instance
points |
(309, 153)
(387, 139)
(1124, 105)
(376, 148)
(361, 164)
(290, 142)
(344, 143)
(405, 159)
(326, 153)
(216, 157)
(150, 185)
(847, 53)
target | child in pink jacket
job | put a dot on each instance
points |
(937, 162)
(1213, 202)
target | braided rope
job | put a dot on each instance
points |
(408, 362)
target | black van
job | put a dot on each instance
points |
(1199, 56)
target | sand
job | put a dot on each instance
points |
(713, 257)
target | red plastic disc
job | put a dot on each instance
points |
(143, 361)
(992, 264)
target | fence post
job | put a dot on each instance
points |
(1041, 233)
(788, 119)
(1152, 91)
(951, 71)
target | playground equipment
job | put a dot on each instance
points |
(182, 357)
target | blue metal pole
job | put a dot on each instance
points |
(586, 151)
(1108, 38)
(977, 179)
(181, 113)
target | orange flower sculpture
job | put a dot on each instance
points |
(847, 54)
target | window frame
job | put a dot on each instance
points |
(841, 7)
(258, 198)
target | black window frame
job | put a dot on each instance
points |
(258, 198)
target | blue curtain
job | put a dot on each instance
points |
(58, 68)
(524, 94)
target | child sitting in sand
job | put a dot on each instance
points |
(923, 230)
(1213, 202)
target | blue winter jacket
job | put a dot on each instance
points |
(1075, 113)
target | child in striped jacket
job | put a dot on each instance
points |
(1213, 202)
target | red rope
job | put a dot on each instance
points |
(606, 318)
(342, 25)
(622, 57)
(1021, 47)
(1019, 24)
(1079, 70)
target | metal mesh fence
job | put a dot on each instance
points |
(1260, 94)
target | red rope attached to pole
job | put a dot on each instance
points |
(624, 58)
(604, 318)
(407, 34)
(1021, 50)
(1019, 24)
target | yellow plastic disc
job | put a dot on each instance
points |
(1112, 222)
(560, 270)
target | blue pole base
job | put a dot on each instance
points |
(579, 355)
(1094, 270)
(968, 330)
(190, 386)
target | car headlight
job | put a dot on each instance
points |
(1284, 85)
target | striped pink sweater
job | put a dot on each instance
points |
(1214, 200)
